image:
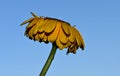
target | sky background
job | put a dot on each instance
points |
(97, 20)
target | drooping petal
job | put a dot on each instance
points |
(67, 44)
(29, 20)
(37, 37)
(79, 38)
(66, 27)
(30, 32)
(53, 36)
(35, 30)
(63, 37)
(42, 25)
(58, 40)
(60, 46)
(41, 35)
(72, 48)
(32, 23)
(51, 26)
(45, 38)
(72, 35)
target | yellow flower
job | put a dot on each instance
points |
(45, 29)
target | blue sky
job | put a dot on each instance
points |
(98, 22)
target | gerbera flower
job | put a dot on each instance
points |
(45, 29)
(60, 33)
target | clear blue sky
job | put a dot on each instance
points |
(97, 20)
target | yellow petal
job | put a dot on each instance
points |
(34, 15)
(58, 37)
(30, 32)
(62, 40)
(63, 37)
(79, 38)
(66, 27)
(37, 37)
(43, 24)
(51, 26)
(76, 36)
(32, 23)
(41, 35)
(72, 35)
(60, 46)
(53, 36)
(72, 48)
(45, 38)
(34, 29)
(73, 44)
(67, 44)
(36, 26)
(29, 20)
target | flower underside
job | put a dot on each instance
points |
(45, 29)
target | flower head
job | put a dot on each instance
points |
(45, 29)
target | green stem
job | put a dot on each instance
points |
(49, 60)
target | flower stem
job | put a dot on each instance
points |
(49, 60)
